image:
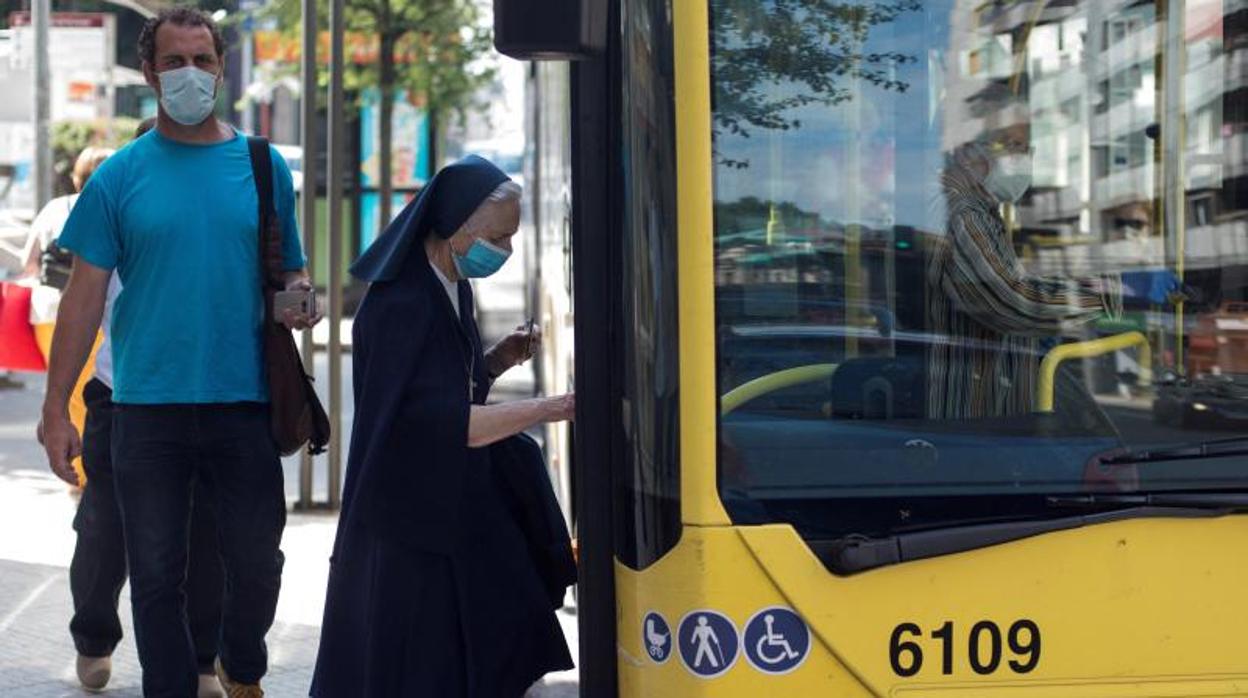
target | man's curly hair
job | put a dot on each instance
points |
(183, 17)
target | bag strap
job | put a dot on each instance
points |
(262, 174)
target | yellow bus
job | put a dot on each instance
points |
(875, 302)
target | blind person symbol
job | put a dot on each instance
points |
(776, 640)
(708, 643)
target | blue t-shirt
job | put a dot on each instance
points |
(179, 223)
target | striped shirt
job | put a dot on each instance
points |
(993, 313)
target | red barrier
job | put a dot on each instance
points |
(18, 349)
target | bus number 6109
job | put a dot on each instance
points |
(984, 647)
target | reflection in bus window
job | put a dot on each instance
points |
(1011, 238)
(648, 491)
(982, 295)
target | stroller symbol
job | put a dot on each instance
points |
(656, 640)
(656, 636)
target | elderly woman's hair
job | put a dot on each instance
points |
(507, 191)
(504, 193)
(88, 160)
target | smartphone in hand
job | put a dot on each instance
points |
(301, 302)
(529, 328)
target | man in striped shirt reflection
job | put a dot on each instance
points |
(991, 315)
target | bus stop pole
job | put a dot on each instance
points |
(1173, 125)
(334, 193)
(307, 202)
(40, 22)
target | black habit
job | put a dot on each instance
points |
(432, 587)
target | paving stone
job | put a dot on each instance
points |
(36, 542)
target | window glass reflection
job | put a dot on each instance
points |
(968, 248)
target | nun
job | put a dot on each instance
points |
(432, 588)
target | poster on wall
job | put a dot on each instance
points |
(409, 157)
(81, 46)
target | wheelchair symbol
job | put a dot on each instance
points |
(772, 640)
(776, 640)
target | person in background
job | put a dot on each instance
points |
(98, 569)
(47, 225)
(994, 312)
(175, 213)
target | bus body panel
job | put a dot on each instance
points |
(1147, 607)
(730, 581)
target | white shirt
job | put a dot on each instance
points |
(104, 357)
(452, 288)
(46, 227)
(44, 231)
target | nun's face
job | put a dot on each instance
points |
(494, 222)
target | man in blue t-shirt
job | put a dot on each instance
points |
(175, 213)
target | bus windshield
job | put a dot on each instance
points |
(973, 254)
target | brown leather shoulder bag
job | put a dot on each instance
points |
(296, 412)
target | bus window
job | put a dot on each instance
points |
(648, 505)
(970, 254)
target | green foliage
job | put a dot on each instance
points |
(69, 138)
(439, 47)
(752, 213)
(776, 56)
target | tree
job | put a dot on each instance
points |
(70, 138)
(807, 45)
(435, 49)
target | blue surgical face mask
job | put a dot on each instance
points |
(188, 94)
(1009, 178)
(481, 260)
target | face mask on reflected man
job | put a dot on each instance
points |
(188, 94)
(1009, 178)
(481, 260)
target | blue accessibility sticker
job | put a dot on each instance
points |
(708, 643)
(776, 640)
(656, 637)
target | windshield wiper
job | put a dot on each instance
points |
(1235, 446)
(858, 553)
(1222, 501)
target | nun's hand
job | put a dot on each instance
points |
(562, 408)
(514, 349)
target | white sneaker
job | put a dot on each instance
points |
(94, 672)
(210, 687)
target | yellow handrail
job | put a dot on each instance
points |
(1083, 350)
(772, 382)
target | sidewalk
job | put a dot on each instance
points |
(36, 543)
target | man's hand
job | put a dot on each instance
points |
(298, 281)
(77, 322)
(62, 444)
(513, 350)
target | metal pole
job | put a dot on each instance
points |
(307, 202)
(41, 20)
(336, 163)
(1173, 137)
(247, 118)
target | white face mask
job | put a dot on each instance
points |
(1009, 178)
(188, 94)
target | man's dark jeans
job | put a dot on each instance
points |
(157, 452)
(98, 569)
